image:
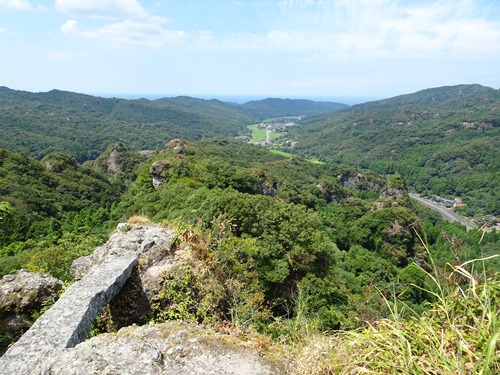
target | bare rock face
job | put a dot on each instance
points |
(153, 247)
(169, 348)
(360, 181)
(21, 295)
(150, 243)
(158, 172)
(266, 188)
(176, 144)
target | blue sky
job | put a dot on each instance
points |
(289, 48)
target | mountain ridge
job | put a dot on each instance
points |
(85, 125)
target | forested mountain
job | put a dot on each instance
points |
(84, 126)
(269, 245)
(274, 107)
(445, 141)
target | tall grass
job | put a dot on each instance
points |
(458, 334)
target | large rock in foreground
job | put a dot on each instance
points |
(22, 295)
(152, 245)
(169, 348)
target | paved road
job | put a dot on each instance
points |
(447, 213)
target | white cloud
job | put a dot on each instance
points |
(19, 5)
(332, 29)
(69, 27)
(102, 8)
(385, 29)
(129, 32)
(133, 24)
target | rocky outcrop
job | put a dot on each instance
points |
(67, 322)
(118, 160)
(331, 192)
(102, 275)
(21, 296)
(359, 181)
(150, 243)
(169, 348)
(176, 144)
(394, 194)
(266, 188)
(158, 172)
(134, 260)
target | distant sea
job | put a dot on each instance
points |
(240, 99)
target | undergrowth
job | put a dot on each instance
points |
(457, 334)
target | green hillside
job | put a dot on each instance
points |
(298, 222)
(274, 107)
(50, 209)
(445, 141)
(84, 126)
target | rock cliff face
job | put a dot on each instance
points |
(158, 172)
(359, 181)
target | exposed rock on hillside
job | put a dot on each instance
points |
(151, 243)
(176, 144)
(21, 295)
(118, 159)
(266, 188)
(158, 171)
(360, 181)
(170, 348)
(58, 162)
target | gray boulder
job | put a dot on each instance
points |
(21, 296)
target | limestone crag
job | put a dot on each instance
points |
(150, 243)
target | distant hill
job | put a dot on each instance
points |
(84, 125)
(445, 141)
(274, 107)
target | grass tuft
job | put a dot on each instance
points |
(138, 219)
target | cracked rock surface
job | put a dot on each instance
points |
(168, 348)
